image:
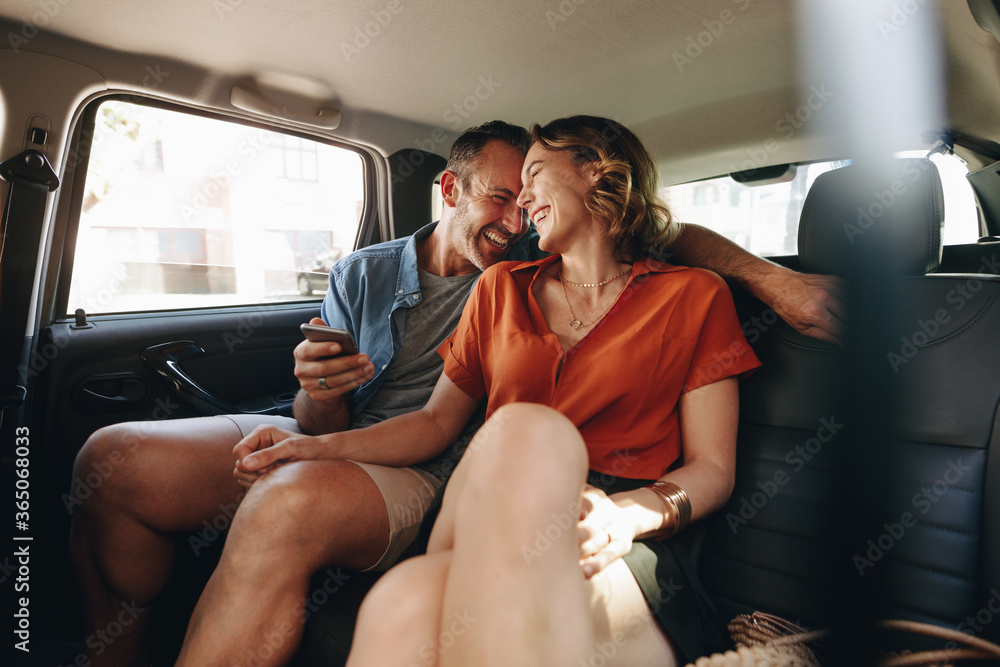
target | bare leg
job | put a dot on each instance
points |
(156, 478)
(294, 521)
(625, 632)
(400, 620)
(529, 596)
(510, 516)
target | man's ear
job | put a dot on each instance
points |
(450, 188)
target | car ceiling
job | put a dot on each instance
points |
(529, 60)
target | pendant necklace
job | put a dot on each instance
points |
(575, 323)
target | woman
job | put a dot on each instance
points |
(612, 410)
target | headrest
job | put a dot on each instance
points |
(891, 215)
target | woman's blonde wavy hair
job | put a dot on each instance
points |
(625, 196)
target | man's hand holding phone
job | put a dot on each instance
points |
(328, 364)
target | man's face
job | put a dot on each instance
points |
(487, 220)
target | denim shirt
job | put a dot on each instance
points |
(369, 292)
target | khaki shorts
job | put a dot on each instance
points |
(407, 492)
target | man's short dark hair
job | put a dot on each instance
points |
(464, 157)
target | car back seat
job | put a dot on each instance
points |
(775, 546)
(778, 545)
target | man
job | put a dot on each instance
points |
(399, 300)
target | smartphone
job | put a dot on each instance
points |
(320, 334)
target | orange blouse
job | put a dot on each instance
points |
(673, 329)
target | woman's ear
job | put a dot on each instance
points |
(592, 173)
(450, 188)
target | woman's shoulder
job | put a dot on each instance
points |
(684, 276)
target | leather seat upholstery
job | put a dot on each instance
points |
(932, 556)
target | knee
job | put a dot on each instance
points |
(107, 466)
(280, 504)
(402, 597)
(527, 457)
(523, 440)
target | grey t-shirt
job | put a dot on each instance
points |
(412, 377)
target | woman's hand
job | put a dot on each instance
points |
(268, 447)
(604, 533)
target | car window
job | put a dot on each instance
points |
(764, 219)
(186, 211)
(961, 217)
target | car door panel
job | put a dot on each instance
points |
(97, 375)
(85, 378)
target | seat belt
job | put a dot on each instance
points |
(31, 179)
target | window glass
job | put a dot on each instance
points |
(764, 219)
(961, 217)
(182, 211)
(437, 203)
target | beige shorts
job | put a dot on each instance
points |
(407, 492)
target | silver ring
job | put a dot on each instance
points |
(322, 383)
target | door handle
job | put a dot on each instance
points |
(112, 391)
(165, 359)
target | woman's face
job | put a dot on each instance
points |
(553, 192)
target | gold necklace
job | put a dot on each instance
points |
(575, 323)
(600, 284)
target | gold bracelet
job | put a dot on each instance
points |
(676, 503)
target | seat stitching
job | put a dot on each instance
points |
(925, 568)
(761, 569)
